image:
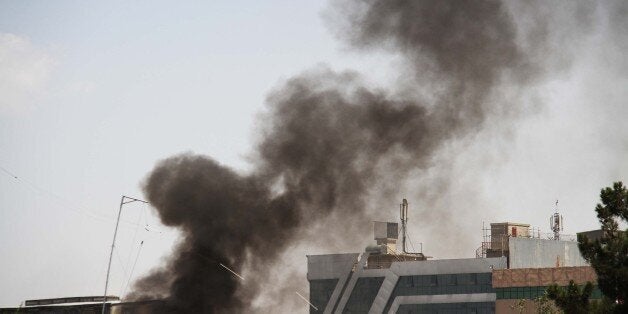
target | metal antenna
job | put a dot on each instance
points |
(403, 212)
(556, 222)
(124, 200)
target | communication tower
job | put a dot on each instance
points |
(556, 223)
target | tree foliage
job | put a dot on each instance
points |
(544, 305)
(571, 299)
(603, 306)
(609, 254)
(519, 306)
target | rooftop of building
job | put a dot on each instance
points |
(71, 300)
(509, 223)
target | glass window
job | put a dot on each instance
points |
(462, 279)
(433, 281)
(473, 279)
(407, 281)
(363, 294)
(469, 279)
(450, 280)
(484, 278)
(321, 290)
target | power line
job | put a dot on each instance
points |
(8, 172)
(133, 269)
(137, 228)
(61, 201)
(242, 278)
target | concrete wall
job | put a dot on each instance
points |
(539, 253)
(448, 266)
(330, 266)
(500, 232)
(532, 283)
(534, 277)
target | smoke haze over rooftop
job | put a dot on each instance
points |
(488, 110)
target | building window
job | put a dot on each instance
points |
(433, 281)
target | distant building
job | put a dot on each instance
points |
(529, 284)
(340, 285)
(138, 307)
(511, 265)
(86, 305)
(593, 234)
(69, 305)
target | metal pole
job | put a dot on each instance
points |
(113, 243)
(404, 219)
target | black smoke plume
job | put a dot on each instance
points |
(325, 141)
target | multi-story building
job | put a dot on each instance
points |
(345, 283)
(513, 268)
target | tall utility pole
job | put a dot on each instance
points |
(124, 200)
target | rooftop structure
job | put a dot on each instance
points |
(385, 251)
(386, 235)
(513, 263)
(525, 248)
(385, 278)
(79, 305)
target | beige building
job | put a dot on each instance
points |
(522, 288)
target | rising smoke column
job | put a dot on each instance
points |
(325, 137)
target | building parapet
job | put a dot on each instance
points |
(534, 277)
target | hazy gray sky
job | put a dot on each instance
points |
(93, 94)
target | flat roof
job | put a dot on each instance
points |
(70, 300)
(510, 224)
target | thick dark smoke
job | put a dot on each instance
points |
(324, 144)
(223, 217)
(466, 48)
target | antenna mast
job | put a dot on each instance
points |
(124, 200)
(556, 223)
(403, 212)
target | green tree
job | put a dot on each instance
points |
(544, 305)
(603, 306)
(609, 254)
(571, 299)
(519, 306)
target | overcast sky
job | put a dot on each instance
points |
(93, 94)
